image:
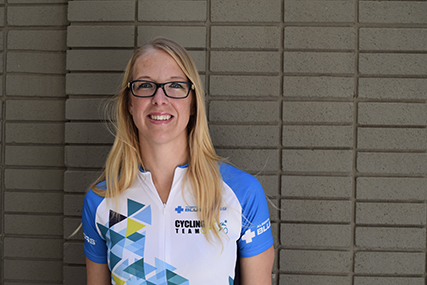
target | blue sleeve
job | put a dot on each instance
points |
(94, 247)
(256, 236)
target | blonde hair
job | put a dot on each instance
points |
(124, 160)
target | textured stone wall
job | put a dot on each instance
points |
(323, 100)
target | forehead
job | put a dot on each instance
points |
(156, 63)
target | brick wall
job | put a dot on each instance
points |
(32, 63)
(324, 100)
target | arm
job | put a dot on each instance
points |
(97, 273)
(257, 269)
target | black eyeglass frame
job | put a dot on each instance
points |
(160, 85)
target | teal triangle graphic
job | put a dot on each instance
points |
(144, 216)
(115, 238)
(230, 281)
(121, 267)
(169, 274)
(119, 247)
(175, 279)
(120, 243)
(103, 230)
(114, 259)
(134, 207)
(135, 236)
(137, 269)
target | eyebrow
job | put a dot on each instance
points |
(173, 78)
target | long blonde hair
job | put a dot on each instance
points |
(124, 160)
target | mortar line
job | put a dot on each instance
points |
(355, 119)
(3, 146)
(136, 24)
(280, 146)
(207, 72)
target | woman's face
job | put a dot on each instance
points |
(160, 119)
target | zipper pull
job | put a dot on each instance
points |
(164, 209)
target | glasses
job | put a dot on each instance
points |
(174, 89)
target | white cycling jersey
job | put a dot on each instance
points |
(145, 241)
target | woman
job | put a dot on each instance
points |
(167, 210)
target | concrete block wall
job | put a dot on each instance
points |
(33, 52)
(323, 100)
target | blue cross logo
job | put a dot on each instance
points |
(179, 209)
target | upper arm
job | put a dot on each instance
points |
(97, 273)
(95, 247)
(257, 269)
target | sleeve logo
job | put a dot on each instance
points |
(261, 228)
(248, 236)
(89, 240)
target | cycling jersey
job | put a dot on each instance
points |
(146, 241)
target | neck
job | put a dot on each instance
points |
(162, 160)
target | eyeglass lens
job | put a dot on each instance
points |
(171, 89)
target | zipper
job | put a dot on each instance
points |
(165, 247)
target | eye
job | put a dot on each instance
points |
(143, 85)
(177, 85)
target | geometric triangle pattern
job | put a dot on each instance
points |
(135, 237)
(165, 275)
(104, 230)
(125, 237)
(117, 249)
(163, 266)
(148, 268)
(114, 259)
(133, 227)
(137, 269)
(144, 216)
(175, 279)
(115, 238)
(134, 207)
(115, 218)
(118, 281)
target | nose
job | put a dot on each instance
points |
(159, 97)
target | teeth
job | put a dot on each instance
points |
(160, 117)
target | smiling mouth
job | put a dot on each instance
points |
(160, 117)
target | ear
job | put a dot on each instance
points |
(193, 109)
(130, 106)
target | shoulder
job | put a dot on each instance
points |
(92, 200)
(241, 182)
